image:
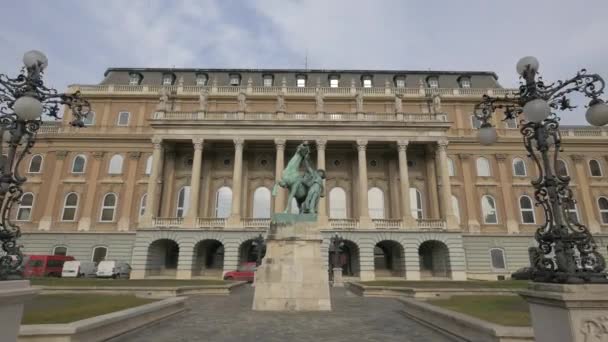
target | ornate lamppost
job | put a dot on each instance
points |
(335, 245)
(566, 252)
(23, 101)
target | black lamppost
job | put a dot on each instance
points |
(562, 239)
(335, 243)
(260, 244)
(23, 101)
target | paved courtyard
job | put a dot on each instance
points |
(230, 318)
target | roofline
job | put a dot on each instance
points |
(371, 71)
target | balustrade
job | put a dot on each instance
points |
(344, 223)
(210, 222)
(167, 222)
(256, 222)
(387, 223)
(431, 224)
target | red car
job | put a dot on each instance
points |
(244, 272)
(45, 265)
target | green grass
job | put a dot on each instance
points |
(65, 308)
(470, 284)
(124, 282)
(503, 310)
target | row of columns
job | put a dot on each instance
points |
(441, 160)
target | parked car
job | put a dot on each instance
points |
(113, 269)
(245, 272)
(45, 265)
(79, 269)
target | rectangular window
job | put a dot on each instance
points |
(267, 81)
(123, 118)
(367, 83)
(69, 213)
(465, 83)
(433, 83)
(400, 83)
(334, 83)
(133, 80)
(201, 80)
(301, 82)
(235, 80)
(167, 80)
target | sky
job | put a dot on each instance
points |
(83, 38)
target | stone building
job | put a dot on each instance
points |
(174, 170)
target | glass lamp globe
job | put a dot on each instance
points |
(524, 62)
(597, 114)
(537, 110)
(487, 135)
(34, 58)
(28, 108)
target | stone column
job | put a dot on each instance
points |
(470, 193)
(322, 210)
(84, 223)
(582, 180)
(185, 259)
(237, 175)
(445, 194)
(364, 219)
(404, 181)
(431, 178)
(280, 198)
(47, 217)
(124, 222)
(195, 183)
(507, 195)
(153, 195)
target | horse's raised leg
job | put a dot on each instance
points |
(292, 193)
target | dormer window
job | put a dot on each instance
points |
(134, 79)
(201, 80)
(167, 79)
(301, 81)
(465, 82)
(235, 80)
(366, 80)
(268, 80)
(433, 82)
(334, 81)
(400, 82)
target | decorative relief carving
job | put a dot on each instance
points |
(134, 155)
(60, 155)
(501, 157)
(577, 157)
(98, 154)
(464, 156)
(595, 329)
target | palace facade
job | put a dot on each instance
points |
(174, 170)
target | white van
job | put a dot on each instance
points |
(75, 268)
(113, 269)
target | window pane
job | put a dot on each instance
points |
(123, 118)
(400, 83)
(483, 167)
(375, 200)
(99, 254)
(24, 214)
(594, 165)
(451, 170)
(301, 82)
(107, 214)
(149, 165)
(519, 167)
(69, 214)
(142, 204)
(416, 203)
(71, 199)
(527, 216)
(109, 200)
(333, 83)
(605, 217)
(261, 203)
(498, 259)
(78, 166)
(223, 202)
(89, 119)
(337, 203)
(367, 83)
(456, 208)
(115, 165)
(561, 168)
(267, 81)
(27, 200)
(60, 251)
(488, 208)
(475, 122)
(35, 163)
(603, 203)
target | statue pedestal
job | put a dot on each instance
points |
(563, 312)
(338, 280)
(292, 276)
(13, 294)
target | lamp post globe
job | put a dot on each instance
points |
(487, 135)
(597, 113)
(527, 62)
(28, 108)
(537, 110)
(35, 58)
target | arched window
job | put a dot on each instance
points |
(375, 203)
(115, 167)
(337, 203)
(261, 202)
(594, 168)
(519, 167)
(561, 168)
(35, 164)
(148, 165)
(108, 208)
(602, 204)
(60, 250)
(527, 210)
(416, 203)
(488, 208)
(24, 212)
(497, 255)
(79, 163)
(99, 254)
(483, 167)
(89, 120)
(142, 204)
(183, 201)
(223, 202)
(456, 208)
(451, 169)
(572, 211)
(70, 206)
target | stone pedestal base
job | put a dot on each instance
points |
(292, 276)
(13, 294)
(338, 280)
(577, 313)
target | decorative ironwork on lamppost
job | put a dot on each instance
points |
(566, 252)
(335, 243)
(23, 101)
(260, 245)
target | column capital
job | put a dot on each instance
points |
(134, 155)
(198, 143)
(501, 157)
(402, 145)
(442, 144)
(280, 143)
(157, 140)
(464, 156)
(238, 142)
(321, 143)
(361, 144)
(60, 155)
(577, 157)
(98, 154)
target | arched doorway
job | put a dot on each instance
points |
(248, 251)
(388, 259)
(208, 259)
(434, 260)
(348, 258)
(162, 258)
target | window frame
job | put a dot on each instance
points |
(367, 81)
(332, 79)
(301, 78)
(474, 120)
(75, 207)
(515, 124)
(456, 208)
(29, 167)
(217, 200)
(599, 168)
(451, 167)
(120, 114)
(93, 253)
(419, 210)
(184, 195)
(574, 211)
(257, 205)
(602, 211)
(565, 168)
(25, 207)
(464, 82)
(374, 213)
(136, 77)
(267, 77)
(84, 165)
(91, 122)
(121, 166)
(166, 77)
(398, 79)
(143, 202)
(107, 207)
(200, 77)
(514, 169)
(332, 204)
(432, 82)
(148, 167)
(504, 259)
(522, 210)
(236, 77)
(495, 209)
(59, 246)
(477, 167)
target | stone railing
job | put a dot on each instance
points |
(153, 90)
(344, 223)
(211, 222)
(430, 224)
(387, 223)
(566, 132)
(256, 222)
(166, 222)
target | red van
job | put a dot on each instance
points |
(244, 272)
(45, 265)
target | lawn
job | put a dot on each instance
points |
(124, 282)
(65, 308)
(503, 310)
(469, 284)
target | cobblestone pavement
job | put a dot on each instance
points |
(216, 318)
